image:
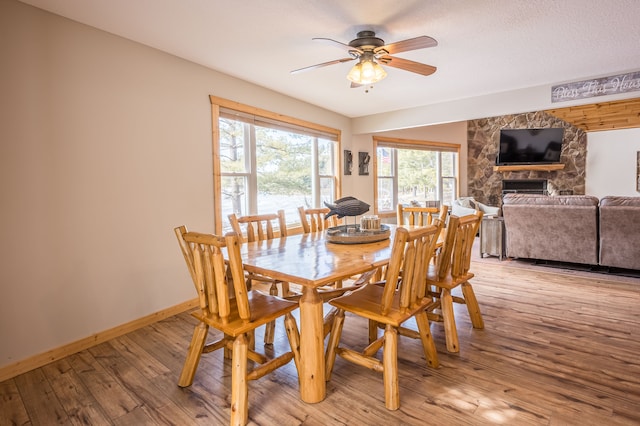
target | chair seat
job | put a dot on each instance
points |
(448, 281)
(264, 309)
(365, 302)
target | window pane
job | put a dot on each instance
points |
(284, 171)
(234, 197)
(327, 190)
(325, 157)
(385, 161)
(449, 163)
(385, 194)
(232, 146)
(417, 171)
(448, 190)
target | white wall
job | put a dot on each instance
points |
(105, 148)
(611, 163)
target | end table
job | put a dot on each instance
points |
(492, 236)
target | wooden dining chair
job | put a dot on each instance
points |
(390, 304)
(419, 216)
(451, 271)
(258, 228)
(227, 305)
(313, 220)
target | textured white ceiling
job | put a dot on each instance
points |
(485, 46)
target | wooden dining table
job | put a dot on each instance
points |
(311, 261)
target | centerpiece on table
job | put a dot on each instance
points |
(369, 230)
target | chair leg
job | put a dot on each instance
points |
(193, 355)
(450, 331)
(373, 331)
(332, 344)
(270, 328)
(472, 305)
(228, 353)
(239, 385)
(428, 345)
(294, 338)
(390, 368)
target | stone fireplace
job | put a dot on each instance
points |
(487, 185)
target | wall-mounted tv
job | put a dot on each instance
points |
(530, 146)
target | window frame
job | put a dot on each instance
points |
(400, 143)
(217, 103)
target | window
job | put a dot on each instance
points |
(264, 162)
(409, 171)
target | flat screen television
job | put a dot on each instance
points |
(530, 146)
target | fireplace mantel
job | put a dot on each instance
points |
(524, 167)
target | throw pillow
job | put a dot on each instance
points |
(469, 203)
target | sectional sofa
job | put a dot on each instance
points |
(573, 229)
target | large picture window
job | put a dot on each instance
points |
(414, 172)
(265, 162)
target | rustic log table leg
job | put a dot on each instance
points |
(312, 383)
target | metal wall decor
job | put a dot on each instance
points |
(363, 163)
(348, 162)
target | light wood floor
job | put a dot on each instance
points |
(558, 349)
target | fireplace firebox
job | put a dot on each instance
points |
(525, 186)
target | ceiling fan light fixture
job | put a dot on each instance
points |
(367, 71)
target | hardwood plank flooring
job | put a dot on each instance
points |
(557, 349)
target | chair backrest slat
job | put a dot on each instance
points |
(259, 227)
(419, 216)
(313, 220)
(211, 275)
(237, 275)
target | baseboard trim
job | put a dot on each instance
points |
(36, 361)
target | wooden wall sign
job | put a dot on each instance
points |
(612, 85)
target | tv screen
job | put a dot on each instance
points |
(530, 146)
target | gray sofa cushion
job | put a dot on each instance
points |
(560, 228)
(620, 232)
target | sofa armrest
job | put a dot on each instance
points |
(489, 210)
(458, 210)
(619, 232)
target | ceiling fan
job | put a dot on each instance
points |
(370, 51)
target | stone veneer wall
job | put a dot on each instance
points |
(485, 184)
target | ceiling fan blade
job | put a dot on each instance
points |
(355, 85)
(421, 42)
(324, 64)
(338, 44)
(407, 65)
